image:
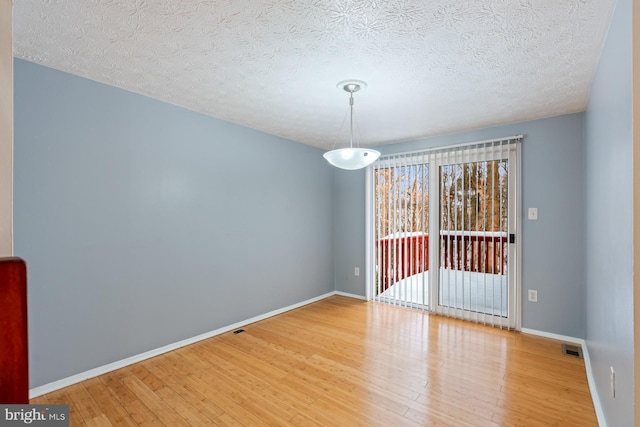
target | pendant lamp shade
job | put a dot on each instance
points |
(351, 158)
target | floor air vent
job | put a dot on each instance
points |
(572, 350)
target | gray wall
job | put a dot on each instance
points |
(552, 256)
(349, 230)
(143, 223)
(609, 220)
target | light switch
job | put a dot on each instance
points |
(533, 214)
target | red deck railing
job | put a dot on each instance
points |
(400, 257)
(407, 254)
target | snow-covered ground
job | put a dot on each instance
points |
(479, 292)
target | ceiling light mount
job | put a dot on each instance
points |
(352, 86)
(351, 158)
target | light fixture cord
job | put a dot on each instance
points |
(351, 118)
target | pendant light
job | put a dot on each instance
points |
(351, 158)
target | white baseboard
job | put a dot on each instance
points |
(565, 338)
(345, 294)
(602, 422)
(65, 382)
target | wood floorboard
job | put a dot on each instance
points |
(344, 362)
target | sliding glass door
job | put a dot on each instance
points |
(444, 232)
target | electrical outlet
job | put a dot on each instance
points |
(356, 271)
(533, 295)
(612, 379)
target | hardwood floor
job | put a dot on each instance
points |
(344, 362)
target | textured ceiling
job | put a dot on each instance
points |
(433, 66)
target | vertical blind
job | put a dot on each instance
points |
(464, 196)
